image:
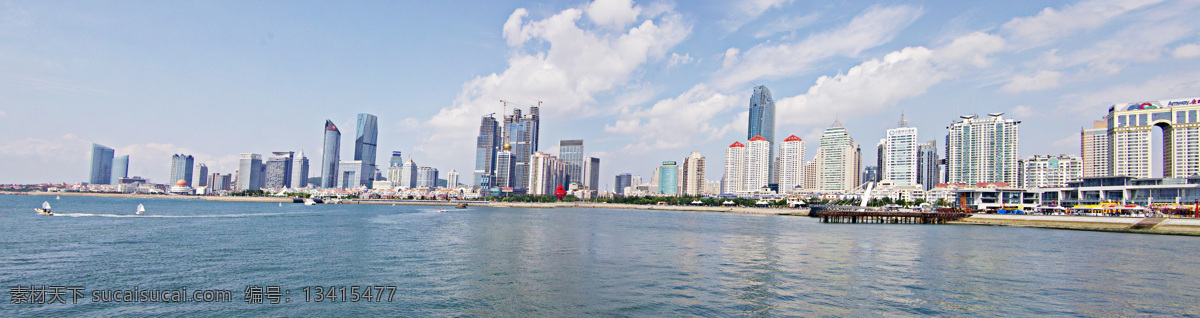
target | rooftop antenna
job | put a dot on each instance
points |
(903, 122)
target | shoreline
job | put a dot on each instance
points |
(1165, 226)
(742, 210)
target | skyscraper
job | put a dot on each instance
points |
(350, 174)
(758, 164)
(983, 150)
(486, 146)
(201, 173)
(571, 153)
(364, 146)
(427, 177)
(927, 165)
(900, 155)
(120, 169)
(504, 177)
(762, 123)
(623, 180)
(791, 164)
(279, 170)
(249, 172)
(880, 165)
(522, 133)
(329, 155)
(840, 160)
(396, 160)
(591, 173)
(546, 173)
(735, 166)
(668, 178)
(1094, 149)
(691, 181)
(408, 175)
(102, 162)
(219, 182)
(181, 168)
(300, 171)
(452, 179)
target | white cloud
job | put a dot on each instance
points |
(866, 88)
(613, 14)
(1022, 111)
(677, 59)
(874, 27)
(786, 24)
(745, 11)
(575, 66)
(1186, 51)
(972, 49)
(675, 122)
(1051, 24)
(1165, 86)
(67, 147)
(1040, 81)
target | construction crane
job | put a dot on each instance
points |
(539, 105)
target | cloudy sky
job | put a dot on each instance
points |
(640, 82)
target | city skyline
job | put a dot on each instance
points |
(1057, 68)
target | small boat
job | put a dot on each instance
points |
(442, 210)
(461, 206)
(309, 202)
(45, 209)
(141, 208)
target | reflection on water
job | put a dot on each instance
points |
(584, 262)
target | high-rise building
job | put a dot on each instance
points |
(758, 164)
(546, 173)
(591, 173)
(1050, 171)
(300, 171)
(249, 174)
(120, 169)
(365, 145)
(427, 177)
(791, 164)
(1129, 134)
(220, 182)
(870, 173)
(396, 160)
(202, 173)
(668, 178)
(762, 123)
(983, 150)
(408, 175)
(181, 168)
(735, 167)
(1094, 149)
(880, 166)
(486, 146)
(571, 153)
(452, 179)
(811, 171)
(279, 170)
(102, 165)
(330, 155)
(692, 178)
(900, 155)
(840, 160)
(927, 165)
(622, 181)
(522, 133)
(504, 177)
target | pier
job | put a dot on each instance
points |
(888, 217)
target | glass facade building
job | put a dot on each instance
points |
(571, 153)
(120, 169)
(181, 168)
(623, 180)
(102, 165)
(329, 155)
(486, 146)
(762, 123)
(365, 142)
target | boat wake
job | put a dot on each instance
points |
(178, 216)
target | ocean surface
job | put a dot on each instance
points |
(574, 262)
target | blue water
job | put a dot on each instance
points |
(579, 262)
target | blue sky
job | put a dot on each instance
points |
(641, 82)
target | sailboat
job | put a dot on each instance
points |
(57, 197)
(141, 208)
(280, 203)
(45, 209)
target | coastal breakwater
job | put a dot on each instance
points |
(1173, 226)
